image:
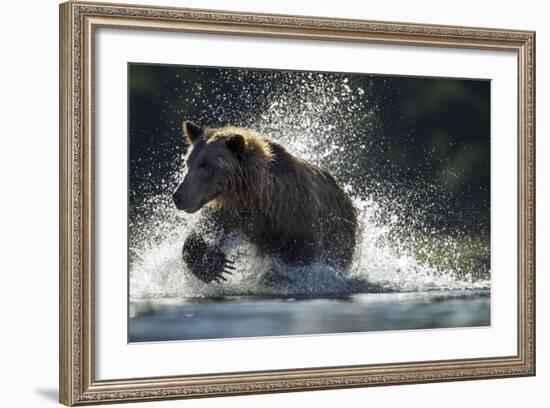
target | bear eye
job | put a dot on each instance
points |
(204, 165)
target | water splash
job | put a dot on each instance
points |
(328, 120)
(382, 264)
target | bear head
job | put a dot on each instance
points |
(214, 157)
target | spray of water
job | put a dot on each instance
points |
(331, 122)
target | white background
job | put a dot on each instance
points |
(28, 220)
(117, 359)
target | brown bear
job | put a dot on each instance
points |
(243, 181)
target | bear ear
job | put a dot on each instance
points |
(191, 131)
(235, 143)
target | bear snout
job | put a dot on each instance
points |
(183, 203)
(178, 200)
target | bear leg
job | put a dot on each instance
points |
(206, 262)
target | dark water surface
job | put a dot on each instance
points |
(187, 319)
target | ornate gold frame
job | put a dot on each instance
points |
(78, 22)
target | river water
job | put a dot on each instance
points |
(413, 282)
(242, 316)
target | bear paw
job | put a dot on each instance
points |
(213, 265)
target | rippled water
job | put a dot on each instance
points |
(405, 275)
(185, 319)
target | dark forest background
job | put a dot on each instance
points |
(428, 139)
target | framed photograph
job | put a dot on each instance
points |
(256, 203)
